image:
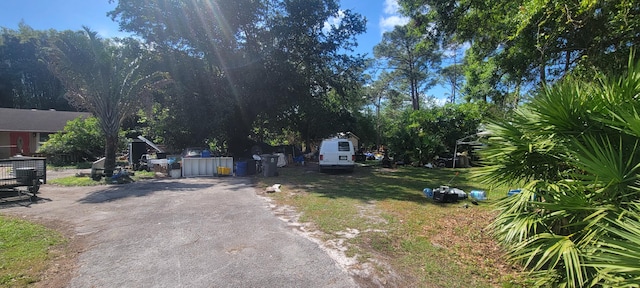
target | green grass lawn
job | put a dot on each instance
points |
(429, 244)
(24, 251)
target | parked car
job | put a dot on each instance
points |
(336, 153)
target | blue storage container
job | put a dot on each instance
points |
(241, 168)
(478, 195)
(428, 192)
(513, 192)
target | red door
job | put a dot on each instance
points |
(19, 142)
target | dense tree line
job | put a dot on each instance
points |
(25, 81)
(237, 67)
(520, 46)
(244, 66)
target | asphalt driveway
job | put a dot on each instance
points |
(196, 232)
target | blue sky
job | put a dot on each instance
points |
(60, 15)
(381, 15)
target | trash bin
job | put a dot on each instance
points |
(251, 167)
(175, 171)
(241, 169)
(269, 165)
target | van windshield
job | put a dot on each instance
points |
(343, 146)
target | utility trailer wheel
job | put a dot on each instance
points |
(35, 187)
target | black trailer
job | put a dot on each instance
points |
(21, 177)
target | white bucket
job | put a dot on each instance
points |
(175, 173)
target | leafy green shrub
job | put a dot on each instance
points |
(80, 138)
(577, 148)
(423, 134)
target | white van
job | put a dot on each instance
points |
(336, 153)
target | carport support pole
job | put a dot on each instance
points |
(455, 154)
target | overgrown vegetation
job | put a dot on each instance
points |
(577, 148)
(427, 244)
(24, 251)
(527, 43)
(419, 136)
(112, 78)
(79, 165)
(81, 139)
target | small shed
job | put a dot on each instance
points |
(354, 140)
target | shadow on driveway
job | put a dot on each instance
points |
(148, 187)
(139, 189)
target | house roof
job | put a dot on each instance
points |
(25, 120)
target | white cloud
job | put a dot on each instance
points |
(388, 23)
(391, 7)
(433, 101)
(333, 21)
(110, 32)
(391, 16)
(459, 50)
(441, 101)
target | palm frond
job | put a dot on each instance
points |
(549, 252)
(611, 166)
(575, 148)
(567, 109)
(617, 257)
(516, 152)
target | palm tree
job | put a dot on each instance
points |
(108, 78)
(575, 149)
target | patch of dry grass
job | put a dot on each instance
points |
(407, 238)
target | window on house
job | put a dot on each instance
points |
(44, 137)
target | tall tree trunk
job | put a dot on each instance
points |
(455, 74)
(110, 154)
(543, 74)
(415, 98)
(543, 68)
(567, 62)
(378, 121)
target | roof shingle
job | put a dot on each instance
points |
(25, 120)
